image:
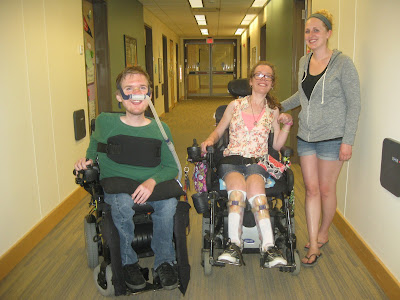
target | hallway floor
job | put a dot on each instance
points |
(57, 267)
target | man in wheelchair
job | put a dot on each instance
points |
(130, 148)
(244, 165)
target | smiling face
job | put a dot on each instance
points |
(136, 84)
(316, 34)
(262, 80)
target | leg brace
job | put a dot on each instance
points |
(260, 208)
(236, 204)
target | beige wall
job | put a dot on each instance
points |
(159, 29)
(42, 81)
(367, 31)
(277, 16)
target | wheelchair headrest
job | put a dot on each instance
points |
(219, 113)
(239, 87)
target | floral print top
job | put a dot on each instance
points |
(245, 142)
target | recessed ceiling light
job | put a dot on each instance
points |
(196, 3)
(247, 19)
(259, 3)
(239, 31)
(201, 19)
(204, 31)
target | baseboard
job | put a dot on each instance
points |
(389, 284)
(20, 249)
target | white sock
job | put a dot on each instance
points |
(233, 228)
(267, 237)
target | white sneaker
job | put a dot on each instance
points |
(273, 258)
(231, 255)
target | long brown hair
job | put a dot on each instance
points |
(271, 98)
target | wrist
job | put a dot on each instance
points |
(289, 123)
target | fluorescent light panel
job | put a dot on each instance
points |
(196, 3)
(247, 19)
(201, 19)
(239, 31)
(259, 3)
(204, 31)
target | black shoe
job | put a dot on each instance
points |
(168, 276)
(134, 277)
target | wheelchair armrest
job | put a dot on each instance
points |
(91, 174)
(286, 151)
(210, 149)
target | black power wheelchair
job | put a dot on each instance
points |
(102, 238)
(213, 203)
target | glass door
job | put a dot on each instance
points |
(223, 63)
(209, 67)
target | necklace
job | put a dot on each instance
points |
(254, 117)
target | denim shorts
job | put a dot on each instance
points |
(245, 170)
(325, 150)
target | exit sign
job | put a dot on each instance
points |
(210, 40)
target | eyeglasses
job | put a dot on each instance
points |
(259, 76)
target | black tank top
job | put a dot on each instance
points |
(309, 83)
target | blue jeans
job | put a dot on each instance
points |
(163, 227)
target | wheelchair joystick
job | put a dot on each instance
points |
(194, 152)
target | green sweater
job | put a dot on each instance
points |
(110, 124)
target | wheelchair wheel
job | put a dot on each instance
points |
(92, 251)
(298, 264)
(105, 280)
(206, 261)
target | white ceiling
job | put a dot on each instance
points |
(223, 16)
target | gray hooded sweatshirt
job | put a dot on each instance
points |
(334, 105)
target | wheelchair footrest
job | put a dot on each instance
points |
(149, 287)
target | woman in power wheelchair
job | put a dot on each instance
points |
(245, 165)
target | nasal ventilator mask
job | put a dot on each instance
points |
(141, 97)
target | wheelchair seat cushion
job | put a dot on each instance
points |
(163, 190)
(280, 187)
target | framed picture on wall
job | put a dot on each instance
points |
(160, 70)
(130, 48)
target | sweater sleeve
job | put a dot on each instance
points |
(351, 86)
(91, 152)
(169, 167)
(291, 102)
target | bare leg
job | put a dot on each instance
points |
(309, 168)
(328, 172)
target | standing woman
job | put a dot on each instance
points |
(329, 95)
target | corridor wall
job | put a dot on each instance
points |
(42, 82)
(125, 17)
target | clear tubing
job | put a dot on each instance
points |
(166, 139)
